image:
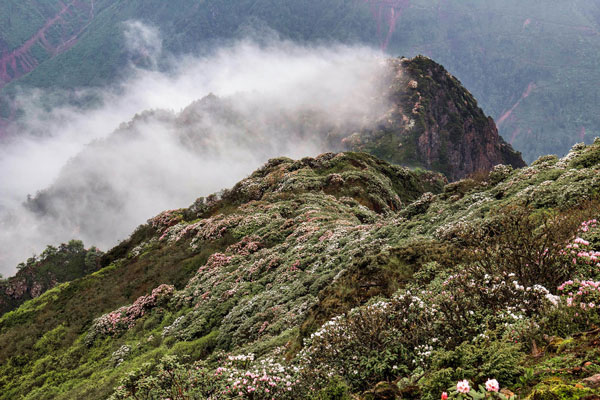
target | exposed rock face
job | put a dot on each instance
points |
(434, 123)
(39, 274)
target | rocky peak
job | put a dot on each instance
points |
(435, 123)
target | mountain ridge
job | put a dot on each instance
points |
(436, 124)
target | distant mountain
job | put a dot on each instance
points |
(531, 67)
(421, 116)
(34, 32)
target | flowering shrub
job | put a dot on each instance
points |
(582, 300)
(166, 219)
(476, 359)
(388, 339)
(370, 344)
(120, 355)
(242, 378)
(239, 377)
(520, 241)
(581, 254)
(470, 301)
(464, 391)
(126, 316)
(168, 380)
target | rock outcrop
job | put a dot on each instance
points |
(434, 123)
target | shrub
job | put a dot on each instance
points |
(125, 317)
(477, 362)
(390, 339)
(529, 244)
(239, 377)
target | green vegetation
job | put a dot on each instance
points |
(333, 277)
(434, 123)
(55, 265)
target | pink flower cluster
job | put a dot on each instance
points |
(166, 219)
(581, 294)
(125, 317)
(267, 379)
(579, 249)
(492, 385)
(205, 229)
(216, 261)
(246, 246)
(581, 254)
(463, 387)
(587, 225)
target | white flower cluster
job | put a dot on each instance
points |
(120, 355)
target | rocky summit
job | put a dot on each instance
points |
(434, 123)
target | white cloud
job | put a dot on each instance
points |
(101, 185)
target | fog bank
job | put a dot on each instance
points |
(199, 128)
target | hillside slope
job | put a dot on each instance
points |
(271, 214)
(35, 32)
(259, 270)
(414, 114)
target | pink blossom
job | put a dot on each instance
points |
(463, 386)
(491, 385)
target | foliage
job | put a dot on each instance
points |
(476, 361)
(238, 378)
(54, 265)
(260, 270)
(516, 240)
(503, 51)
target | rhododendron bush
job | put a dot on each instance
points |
(537, 247)
(442, 315)
(125, 317)
(237, 377)
(336, 277)
(463, 390)
(393, 338)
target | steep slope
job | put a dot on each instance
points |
(263, 266)
(99, 53)
(272, 214)
(435, 123)
(57, 28)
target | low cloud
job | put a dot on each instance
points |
(143, 43)
(199, 127)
